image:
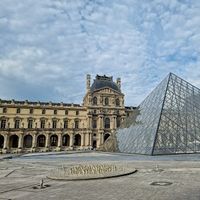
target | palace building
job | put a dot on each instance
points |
(27, 126)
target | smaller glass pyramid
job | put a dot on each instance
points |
(166, 122)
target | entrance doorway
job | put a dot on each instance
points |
(94, 144)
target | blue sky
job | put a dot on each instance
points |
(48, 46)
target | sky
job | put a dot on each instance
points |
(48, 46)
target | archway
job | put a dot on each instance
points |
(77, 140)
(54, 141)
(41, 141)
(106, 136)
(1, 141)
(65, 140)
(14, 140)
(28, 141)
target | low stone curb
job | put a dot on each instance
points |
(94, 178)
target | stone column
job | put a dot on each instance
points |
(100, 122)
(101, 138)
(20, 143)
(98, 139)
(34, 144)
(71, 143)
(89, 122)
(5, 145)
(114, 122)
(59, 141)
(83, 140)
(47, 142)
(89, 138)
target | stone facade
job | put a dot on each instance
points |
(45, 126)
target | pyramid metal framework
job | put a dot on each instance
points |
(168, 121)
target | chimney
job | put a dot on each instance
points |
(118, 81)
(88, 78)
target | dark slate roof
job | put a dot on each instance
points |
(102, 82)
(38, 103)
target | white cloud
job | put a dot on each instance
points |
(48, 46)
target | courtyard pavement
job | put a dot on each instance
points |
(158, 177)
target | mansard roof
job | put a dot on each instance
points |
(103, 82)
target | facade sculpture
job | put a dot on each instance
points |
(45, 126)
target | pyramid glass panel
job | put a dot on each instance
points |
(166, 122)
(179, 127)
(138, 133)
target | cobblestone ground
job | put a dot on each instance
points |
(20, 177)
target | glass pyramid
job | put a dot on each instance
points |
(166, 122)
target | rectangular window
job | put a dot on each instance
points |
(94, 123)
(66, 124)
(43, 111)
(17, 123)
(66, 112)
(76, 124)
(42, 124)
(4, 110)
(31, 110)
(18, 110)
(54, 124)
(3, 123)
(77, 112)
(55, 112)
(30, 123)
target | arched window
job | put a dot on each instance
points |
(77, 140)
(41, 141)
(117, 102)
(94, 101)
(106, 101)
(14, 139)
(28, 141)
(1, 141)
(106, 136)
(54, 140)
(107, 122)
(65, 140)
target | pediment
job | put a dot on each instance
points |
(107, 90)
